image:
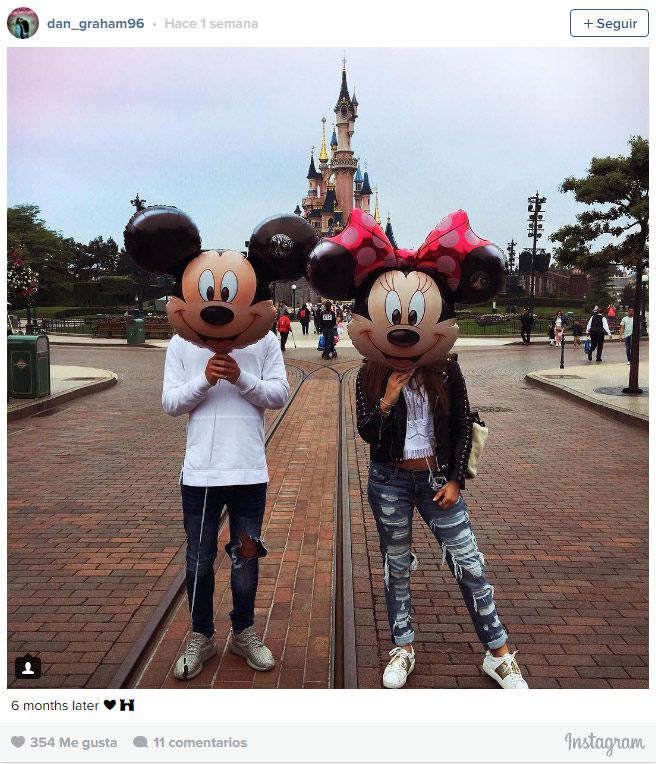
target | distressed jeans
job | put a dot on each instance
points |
(393, 493)
(245, 504)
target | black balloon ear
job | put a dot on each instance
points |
(161, 239)
(279, 247)
(331, 270)
(448, 302)
(482, 275)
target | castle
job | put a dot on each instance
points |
(337, 187)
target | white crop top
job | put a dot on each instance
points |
(419, 434)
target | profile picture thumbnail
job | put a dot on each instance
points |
(22, 23)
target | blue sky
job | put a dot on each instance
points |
(225, 134)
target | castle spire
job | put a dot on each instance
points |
(323, 154)
(390, 233)
(312, 171)
(376, 210)
(344, 99)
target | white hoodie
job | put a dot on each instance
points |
(225, 431)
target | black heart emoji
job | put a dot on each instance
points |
(109, 704)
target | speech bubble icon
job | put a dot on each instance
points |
(140, 742)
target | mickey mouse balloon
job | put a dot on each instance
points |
(404, 314)
(221, 297)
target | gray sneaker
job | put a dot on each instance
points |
(250, 646)
(199, 650)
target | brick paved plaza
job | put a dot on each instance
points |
(96, 539)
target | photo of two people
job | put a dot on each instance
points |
(190, 507)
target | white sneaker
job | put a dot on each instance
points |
(505, 671)
(250, 646)
(399, 668)
(199, 650)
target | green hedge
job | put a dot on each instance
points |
(521, 302)
(89, 311)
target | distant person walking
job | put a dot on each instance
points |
(559, 327)
(577, 331)
(304, 318)
(328, 325)
(611, 311)
(317, 319)
(626, 333)
(284, 327)
(551, 332)
(597, 329)
(526, 320)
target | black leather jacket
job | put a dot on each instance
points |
(453, 434)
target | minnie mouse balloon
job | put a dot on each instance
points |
(221, 297)
(404, 313)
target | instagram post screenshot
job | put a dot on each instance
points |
(327, 382)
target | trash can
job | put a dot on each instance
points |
(136, 331)
(28, 366)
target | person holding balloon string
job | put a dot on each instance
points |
(223, 369)
(413, 410)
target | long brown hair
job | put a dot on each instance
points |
(375, 376)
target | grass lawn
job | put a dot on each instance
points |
(47, 311)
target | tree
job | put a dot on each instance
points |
(45, 250)
(600, 293)
(628, 292)
(95, 259)
(616, 230)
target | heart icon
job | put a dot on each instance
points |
(109, 704)
(18, 741)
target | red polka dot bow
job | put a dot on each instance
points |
(446, 246)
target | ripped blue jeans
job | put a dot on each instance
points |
(393, 493)
(245, 505)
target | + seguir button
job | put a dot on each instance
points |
(609, 22)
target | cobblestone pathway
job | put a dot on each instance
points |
(96, 540)
(560, 512)
(94, 522)
(295, 593)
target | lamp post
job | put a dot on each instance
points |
(30, 326)
(535, 204)
(511, 255)
(643, 307)
(294, 300)
(638, 313)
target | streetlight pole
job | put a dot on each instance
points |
(510, 285)
(294, 300)
(634, 387)
(643, 317)
(30, 326)
(535, 204)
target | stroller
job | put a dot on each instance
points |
(322, 343)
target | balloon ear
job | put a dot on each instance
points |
(279, 247)
(482, 275)
(331, 270)
(161, 239)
